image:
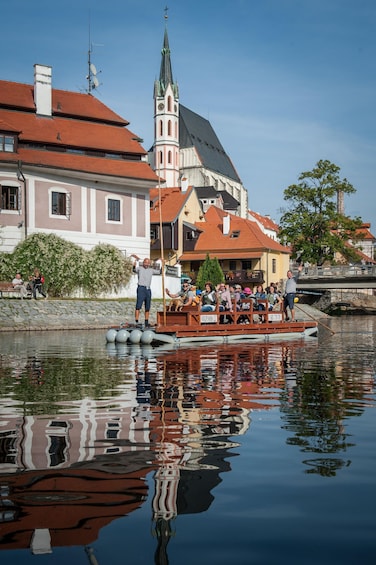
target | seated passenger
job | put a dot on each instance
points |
(208, 298)
(186, 294)
(272, 296)
(224, 298)
(260, 295)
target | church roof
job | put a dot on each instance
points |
(195, 131)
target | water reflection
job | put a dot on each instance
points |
(85, 426)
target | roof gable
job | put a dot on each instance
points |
(172, 200)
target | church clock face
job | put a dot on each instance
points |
(160, 106)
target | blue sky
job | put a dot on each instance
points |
(284, 83)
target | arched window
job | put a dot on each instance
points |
(169, 104)
(169, 127)
(160, 127)
(169, 157)
(160, 158)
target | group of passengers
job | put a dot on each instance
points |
(227, 297)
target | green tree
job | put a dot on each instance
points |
(210, 270)
(312, 225)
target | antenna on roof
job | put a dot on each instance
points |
(92, 78)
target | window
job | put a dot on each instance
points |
(274, 266)
(113, 210)
(169, 157)
(235, 234)
(154, 232)
(59, 203)
(10, 197)
(7, 143)
(169, 104)
(160, 128)
(169, 128)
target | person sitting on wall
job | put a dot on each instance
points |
(18, 283)
(37, 282)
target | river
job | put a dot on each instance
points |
(244, 454)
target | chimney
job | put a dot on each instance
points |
(43, 90)
(226, 224)
(184, 184)
(340, 202)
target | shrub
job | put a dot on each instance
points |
(67, 267)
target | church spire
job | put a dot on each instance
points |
(165, 158)
(165, 74)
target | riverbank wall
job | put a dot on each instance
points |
(51, 314)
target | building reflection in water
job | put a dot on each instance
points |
(79, 439)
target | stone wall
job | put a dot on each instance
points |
(17, 314)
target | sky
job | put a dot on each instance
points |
(284, 83)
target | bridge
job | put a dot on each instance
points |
(337, 278)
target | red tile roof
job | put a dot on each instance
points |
(250, 241)
(172, 201)
(80, 124)
(265, 221)
(18, 96)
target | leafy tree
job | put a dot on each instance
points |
(210, 270)
(312, 225)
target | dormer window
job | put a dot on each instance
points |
(7, 143)
(235, 234)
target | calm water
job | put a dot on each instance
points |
(251, 454)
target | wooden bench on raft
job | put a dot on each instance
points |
(7, 289)
(193, 316)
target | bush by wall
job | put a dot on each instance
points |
(67, 267)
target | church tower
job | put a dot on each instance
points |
(165, 154)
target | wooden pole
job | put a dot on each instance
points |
(318, 321)
(162, 246)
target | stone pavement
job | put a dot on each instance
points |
(52, 314)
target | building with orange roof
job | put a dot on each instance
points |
(245, 253)
(69, 165)
(176, 211)
(265, 223)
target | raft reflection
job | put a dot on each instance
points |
(81, 435)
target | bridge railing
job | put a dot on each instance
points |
(339, 271)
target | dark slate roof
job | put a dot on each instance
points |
(195, 131)
(229, 202)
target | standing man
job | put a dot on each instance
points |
(145, 273)
(290, 292)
